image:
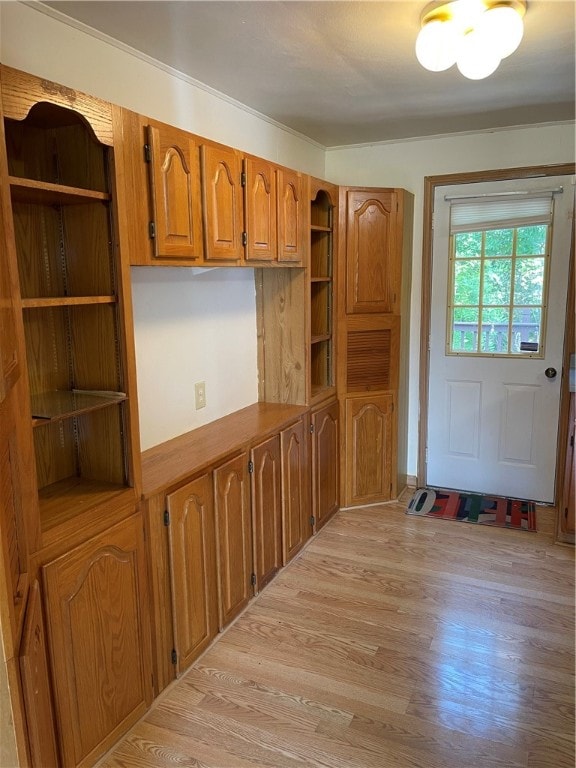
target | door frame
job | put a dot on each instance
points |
(473, 177)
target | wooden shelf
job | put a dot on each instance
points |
(320, 337)
(33, 191)
(67, 499)
(319, 228)
(66, 301)
(321, 279)
(48, 407)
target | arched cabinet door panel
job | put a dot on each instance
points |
(222, 204)
(292, 217)
(266, 480)
(370, 454)
(296, 518)
(192, 553)
(325, 475)
(260, 208)
(234, 537)
(99, 640)
(174, 172)
(373, 267)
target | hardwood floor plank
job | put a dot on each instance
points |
(389, 642)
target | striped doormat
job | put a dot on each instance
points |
(473, 508)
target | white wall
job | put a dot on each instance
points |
(405, 164)
(189, 326)
(192, 325)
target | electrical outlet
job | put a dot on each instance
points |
(200, 394)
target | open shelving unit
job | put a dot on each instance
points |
(321, 293)
(59, 177)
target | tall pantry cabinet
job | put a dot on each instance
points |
(80, 544)
(373, 312)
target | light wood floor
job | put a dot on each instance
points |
(391, 642)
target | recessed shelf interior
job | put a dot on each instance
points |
(67, 264)
(321, 290)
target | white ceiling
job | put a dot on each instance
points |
(345, 72)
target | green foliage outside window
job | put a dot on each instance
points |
(497, 289)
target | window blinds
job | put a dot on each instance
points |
(501, 211)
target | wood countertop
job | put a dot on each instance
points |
(168, 464)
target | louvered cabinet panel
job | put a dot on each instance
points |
(192, 554)
(174, 172)
(371, 352)
(370, 449)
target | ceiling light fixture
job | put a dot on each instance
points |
(473, 34)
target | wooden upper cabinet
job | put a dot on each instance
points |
(176, 229)
(373, 261)
(222, 204)
(260, 209)
(275, 213)
(292, 207)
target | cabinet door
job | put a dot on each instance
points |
(267, 510)
(222, 204)
(234, 537)
(192, 545)
(260, 208)
(324, 463)
(292, 216)
(36, 685)
(99, 640)
(296, 517)
(370, 443)
(176, 201)
(373, 263)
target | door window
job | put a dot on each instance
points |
(498, 276)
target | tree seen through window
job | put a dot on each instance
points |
(497, 288)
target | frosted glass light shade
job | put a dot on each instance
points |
(477, 57)
(504, 27)
(436, 45)
(474, 34)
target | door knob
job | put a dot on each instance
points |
(550, 373)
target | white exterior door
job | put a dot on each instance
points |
(493, 419)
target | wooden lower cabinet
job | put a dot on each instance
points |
(233, 537)
(96, 601)
(370, 461)
(325, 474)
(296, 509)
(266, 486)
(35, 675)
(192, 558)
